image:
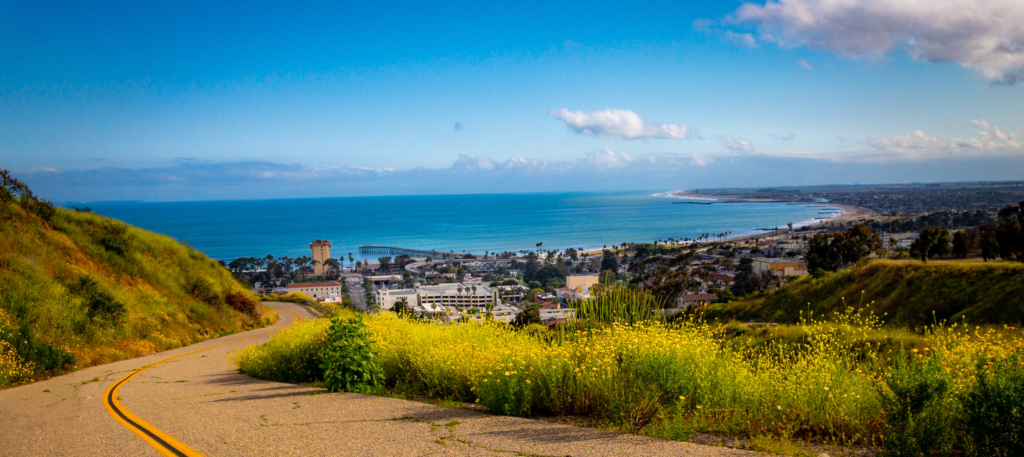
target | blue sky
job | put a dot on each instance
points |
(711, 90)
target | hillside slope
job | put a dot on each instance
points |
(908, 291)
(78, 289)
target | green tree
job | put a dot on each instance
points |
(822, 253)
(385, 263)
(961, 244)
(609, 262)
(930, 242)
(530, 316)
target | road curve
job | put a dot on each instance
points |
(193, 396)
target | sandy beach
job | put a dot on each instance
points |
(849, 214)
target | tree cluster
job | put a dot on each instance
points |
(827, 252)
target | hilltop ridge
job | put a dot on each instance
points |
(907, 292)
(78, 289)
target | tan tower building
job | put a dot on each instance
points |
(321, 252)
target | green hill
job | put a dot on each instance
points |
(78, 289)
(909, 292)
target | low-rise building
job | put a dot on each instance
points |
(574, 281)
(779, 267)
(317, 290)
(687, 301)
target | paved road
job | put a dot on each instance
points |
(199, 400)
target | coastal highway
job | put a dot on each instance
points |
(192, 400)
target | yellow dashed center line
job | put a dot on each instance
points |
(162, 442)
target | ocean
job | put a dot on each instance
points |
(225, 230)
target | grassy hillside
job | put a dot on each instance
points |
(78, 289)
(908, 291)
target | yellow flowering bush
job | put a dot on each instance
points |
(13, 367)
(665, 379)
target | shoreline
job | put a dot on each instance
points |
(849, 213)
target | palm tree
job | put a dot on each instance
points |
(351, 260)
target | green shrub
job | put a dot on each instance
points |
(508, 393)
(40, 354)
(350, 358)
(994, 409)
(100, 305)
(917, 409)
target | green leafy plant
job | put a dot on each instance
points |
(913, 395)
(994, 409)
(349, 358)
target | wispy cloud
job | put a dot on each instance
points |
(982, 35)
(746, 40)
(803, 64)
(988, 138)
(916, 140)
(736, 144)
(623, 124)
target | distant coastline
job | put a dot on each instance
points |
(225, 230)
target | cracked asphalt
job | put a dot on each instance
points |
(200, 400)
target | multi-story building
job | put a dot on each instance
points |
(321, 252)
(431, 298)
(318, 290)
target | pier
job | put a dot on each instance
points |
(391, 250)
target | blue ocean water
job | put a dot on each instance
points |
(225, 230)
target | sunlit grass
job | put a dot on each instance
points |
(171, 294)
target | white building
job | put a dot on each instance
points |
(431, 298)
(318, 290)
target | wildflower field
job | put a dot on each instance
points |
(842, 380)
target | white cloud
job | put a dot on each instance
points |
(609, 158)
(916, 140)
(779, 136)
(989, 138)
(746, 40)
(736, 144)
(467, 163)
(623, 124)
(803, 64)
(983, 35)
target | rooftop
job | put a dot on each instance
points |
(314, 284)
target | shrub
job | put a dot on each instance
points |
(350, 358)
(914, 397)
(994, 409)
(242, 303)
(99, 305)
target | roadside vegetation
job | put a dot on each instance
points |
(78, 289)
(840, 379)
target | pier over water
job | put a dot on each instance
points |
(391, 250)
